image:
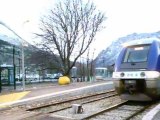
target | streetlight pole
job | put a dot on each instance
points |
(23, 70)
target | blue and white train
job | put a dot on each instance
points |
(137, 71)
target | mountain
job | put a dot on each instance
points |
(108, 56)
(10, 40)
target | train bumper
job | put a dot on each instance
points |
(136, 97)
(147, 89)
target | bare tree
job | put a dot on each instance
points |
(69, 29)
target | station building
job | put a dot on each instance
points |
(10, 61)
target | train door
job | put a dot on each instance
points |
(7, 78)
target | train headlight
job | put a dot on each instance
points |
(122, 74)
(152, 74)
(142, 74)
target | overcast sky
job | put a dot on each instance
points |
(124, 17)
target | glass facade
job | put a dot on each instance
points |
(10, 62)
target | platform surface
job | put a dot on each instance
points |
(42, 92)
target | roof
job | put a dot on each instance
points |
(140, 42)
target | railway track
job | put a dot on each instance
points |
(66, 104)
(102, 106)
(61, 105)
(122, 111)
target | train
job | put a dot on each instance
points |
(136, 75)
(100, 73)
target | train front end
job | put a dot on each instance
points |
(136, 75)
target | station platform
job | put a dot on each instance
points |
(40, 92)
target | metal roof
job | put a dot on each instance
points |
(140, 42)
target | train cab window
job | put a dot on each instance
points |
(136, 54)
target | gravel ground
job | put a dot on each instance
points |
(69, 103)
(88, 109)
(119, 114)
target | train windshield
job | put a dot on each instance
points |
(136, 54)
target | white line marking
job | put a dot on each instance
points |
(152, 113)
